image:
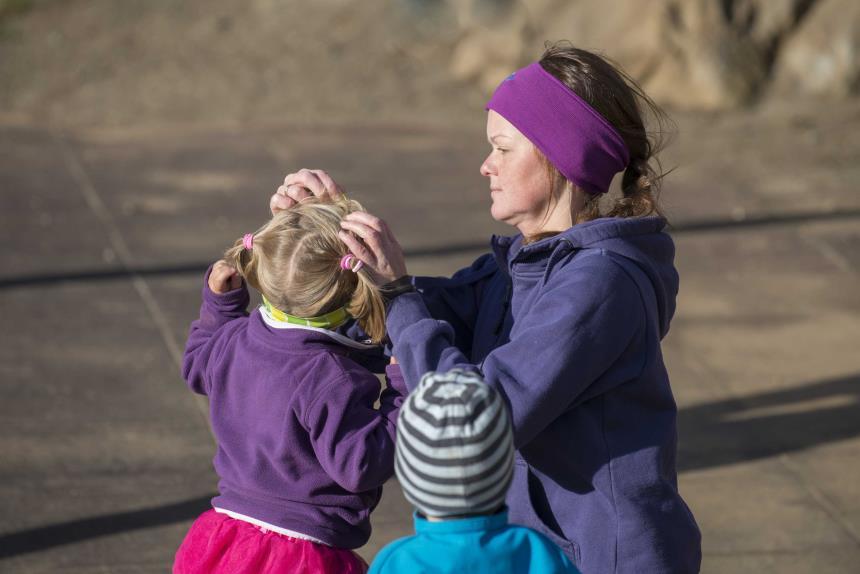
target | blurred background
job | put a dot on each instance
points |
(139, 138)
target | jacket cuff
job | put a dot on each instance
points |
(404, 311)
(390, 291)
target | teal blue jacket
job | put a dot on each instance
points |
(483, 544)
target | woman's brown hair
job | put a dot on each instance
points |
(295, 264)
(623, 103)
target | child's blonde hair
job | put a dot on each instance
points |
(295, 264)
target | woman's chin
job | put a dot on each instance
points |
(506, 219)
(498, 214)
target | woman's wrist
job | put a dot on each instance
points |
(398, 287)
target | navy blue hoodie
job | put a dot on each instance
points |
(568, 329)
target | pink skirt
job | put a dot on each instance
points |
(219, 544)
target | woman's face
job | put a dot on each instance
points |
(519, 184)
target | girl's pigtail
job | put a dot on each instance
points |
(245, 262)
(368, 308)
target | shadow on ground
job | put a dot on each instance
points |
(198, 267)
(713, 434)
(769, 424)
(69, 532)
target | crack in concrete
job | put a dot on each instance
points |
(118, 244)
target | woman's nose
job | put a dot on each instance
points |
(486, 167)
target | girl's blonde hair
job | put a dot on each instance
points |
(295, 264)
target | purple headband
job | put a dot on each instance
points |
(578, 141)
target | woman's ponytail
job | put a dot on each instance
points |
(368, 308)
(617, 97)
(639, 188)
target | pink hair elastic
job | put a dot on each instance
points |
(248, 241)
(346, 263)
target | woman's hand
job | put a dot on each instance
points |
(224, 277)
(304, 183)
(370, 239)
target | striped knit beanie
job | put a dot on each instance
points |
(455, 447)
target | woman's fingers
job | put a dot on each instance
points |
(297, 193)
(287, 196)
(374, 231)
(357, 248)
(301, 185)
(368, 220)
(368, 235)
(317, 181)
(306, 179)
(332, 188)
(280, 201)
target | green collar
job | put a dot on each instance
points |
(331, 320)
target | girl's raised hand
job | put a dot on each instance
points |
(224, 278)
(370, 239)
(301, 184)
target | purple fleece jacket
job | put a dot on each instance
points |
(300, 445)
(568, 329)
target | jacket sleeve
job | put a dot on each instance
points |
(353, 441)
(203, 338)
(584, 319)
(455, 299)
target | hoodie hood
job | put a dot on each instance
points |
(641, 241)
